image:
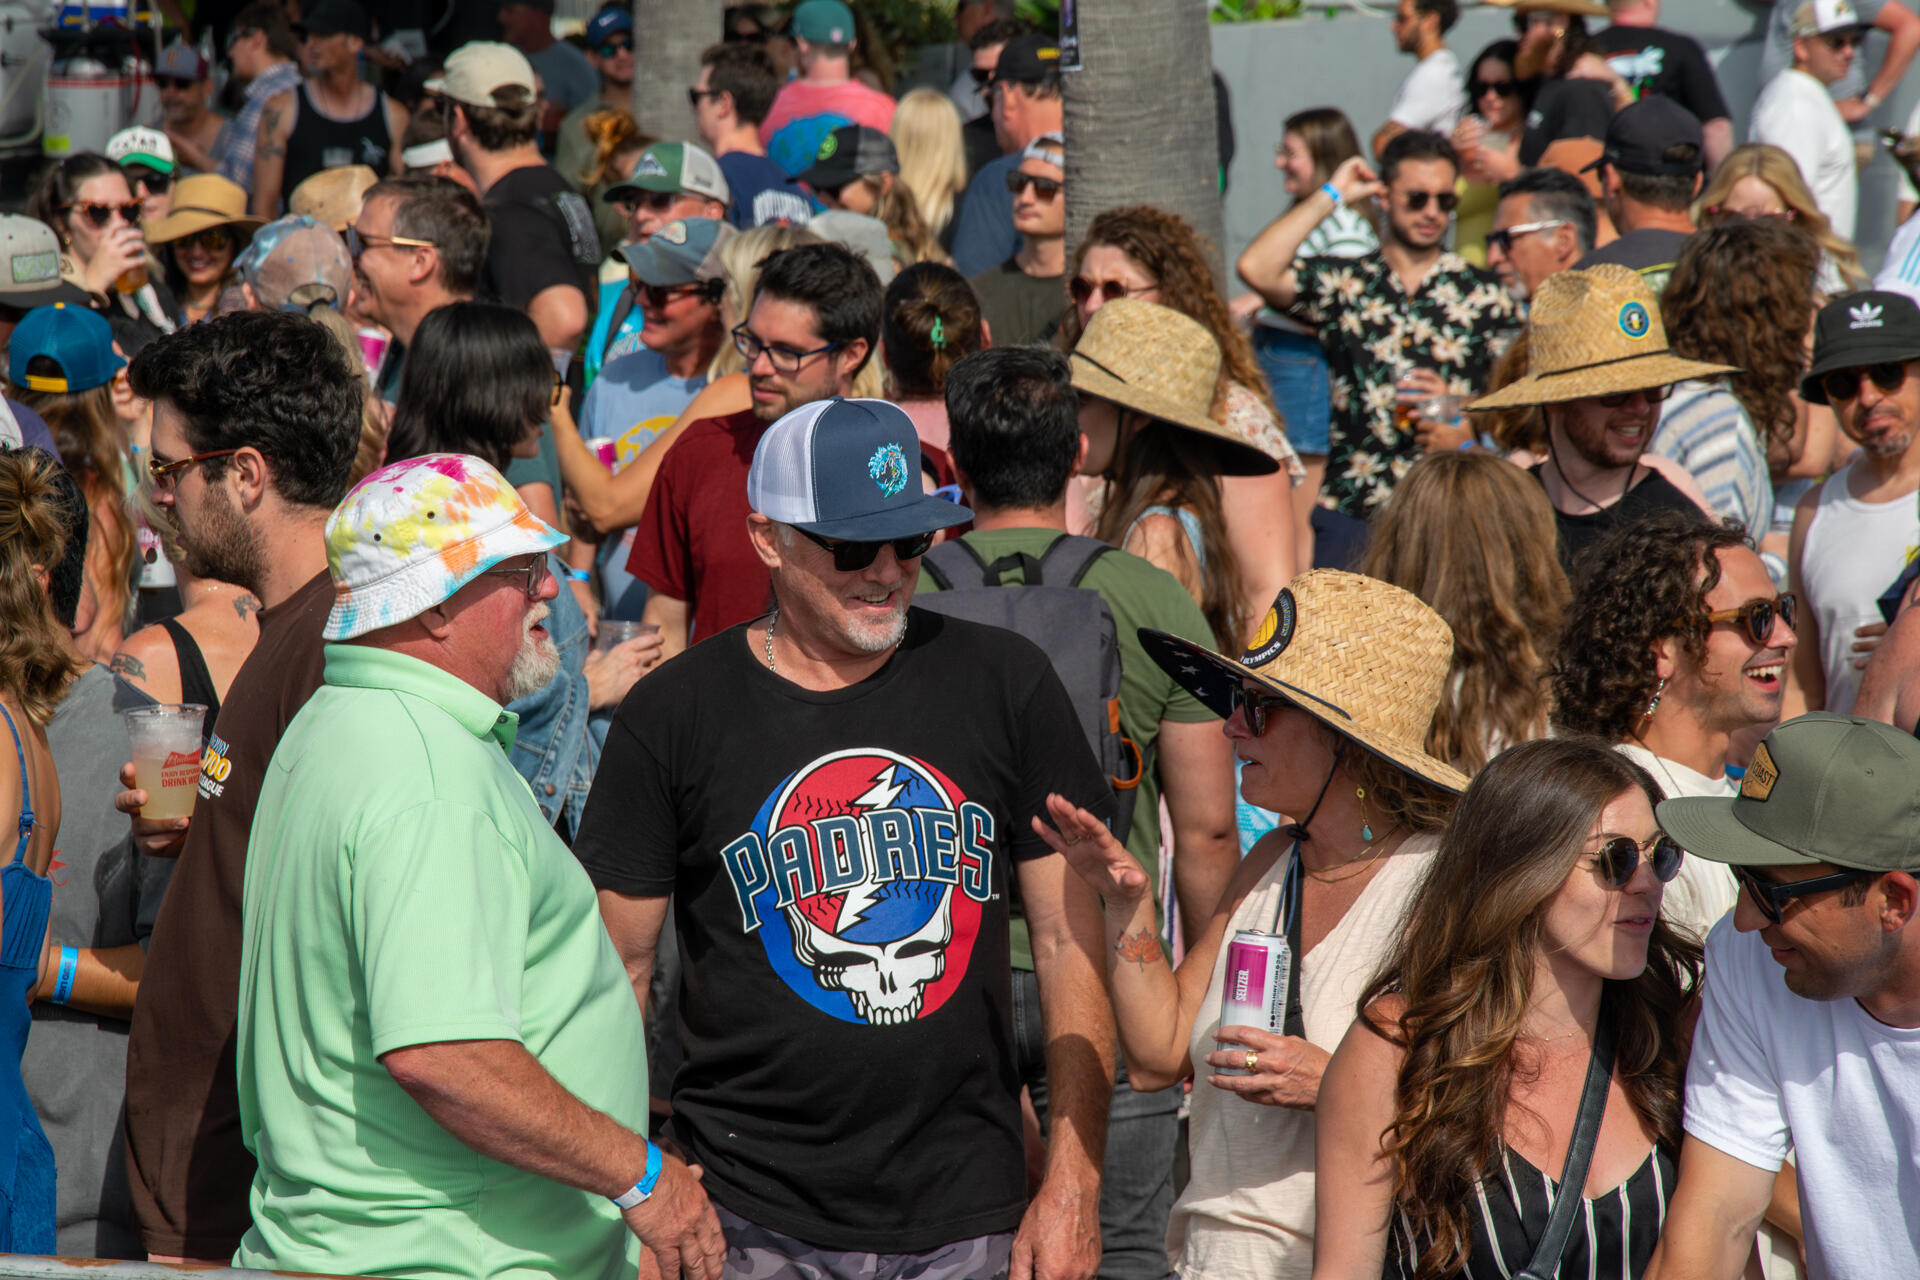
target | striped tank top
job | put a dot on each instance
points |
(1612, 1240)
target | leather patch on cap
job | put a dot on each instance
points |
(1761, 775)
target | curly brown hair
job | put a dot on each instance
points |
(1639, 584)
(35, 661)
(1464, 974)
(1742, 294)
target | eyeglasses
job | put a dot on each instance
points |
(783, 359)
(1082, 288)
(1652, 395)
(852, 557)
(533, 575)
(212, 240)
(1503, 238)
(163, 472)
(651, 201)
(1045, 188)
(1619, 858)
(613, 45)
(1756, 616)
(1772, 896)
(1844, 384)
(101, 215)
(1417, 200)
(1725, 211)
(1505, 88)
(695, 95)
(658, 296)
(152, 184)
(358, 242)
(1254, 705)
(1841, 41)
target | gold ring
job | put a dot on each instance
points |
(1253, 1062)
(1075, 840)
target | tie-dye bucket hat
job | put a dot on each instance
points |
(413, 533)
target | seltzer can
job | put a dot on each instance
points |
(1254, 993)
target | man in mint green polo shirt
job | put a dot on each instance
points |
(441, 1063)
(1015, 442)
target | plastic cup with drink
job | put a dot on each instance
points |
(166, 756)
(614, 631)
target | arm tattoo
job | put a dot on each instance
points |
(125, 664)
(1142, 948)
(246, 603)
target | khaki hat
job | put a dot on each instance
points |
(1363, 657)
(202, 201)
(1585, 8)
(478, 69)
(333, 196)
(1153, 359)
(1595, 332)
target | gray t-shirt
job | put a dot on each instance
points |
(75, 1066)
(1778, 54)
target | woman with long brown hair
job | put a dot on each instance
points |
(931, 323)
(1473, 536)
(1535, 959)
(1143, 254)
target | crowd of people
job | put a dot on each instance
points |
(740, 706)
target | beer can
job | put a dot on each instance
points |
(1254, 991)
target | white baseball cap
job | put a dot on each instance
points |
(1823, 17)
(475, 71)
(141, 145)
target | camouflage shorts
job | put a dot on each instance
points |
(756, 1253)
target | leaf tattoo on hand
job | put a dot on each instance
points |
(1141, 948)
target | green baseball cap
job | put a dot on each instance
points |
(674, 167)
(1821, 788)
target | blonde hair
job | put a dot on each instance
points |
(1777, 169)
(933, 156)
(912, 240)
(742, 255)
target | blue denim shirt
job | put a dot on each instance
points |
(553, 750)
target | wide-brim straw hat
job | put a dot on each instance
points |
(1595, 332)
(202, 201)
(332, 197)
(1154, 359)
(1363, 657)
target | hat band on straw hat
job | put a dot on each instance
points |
(1081, 355)
(1602, 364)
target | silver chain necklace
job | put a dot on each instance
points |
(772, 622)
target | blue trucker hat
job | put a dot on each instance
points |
(847, 469)
(605, 23)
(75, 338)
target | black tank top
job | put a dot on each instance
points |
(196, 682)
(318, 142)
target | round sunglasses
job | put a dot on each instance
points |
(1619, 858)
(1756, 616)
(1844, 384)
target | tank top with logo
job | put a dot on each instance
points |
(320, 142)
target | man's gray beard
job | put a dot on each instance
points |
(534, 667)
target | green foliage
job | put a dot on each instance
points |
(1254, 10)
(907, 24)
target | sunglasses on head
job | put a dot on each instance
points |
(852, 557)
(1772, 896)
(1756, 616)
(1045, 188)
(1844, 384)
(1619, 858)
(1505, 88)
(101, 215)
(1417, 200)
(1109, 290)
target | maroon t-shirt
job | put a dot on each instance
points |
(188, 1168)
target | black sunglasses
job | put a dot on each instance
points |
(613, 45)
(173, 82)
(1619, 858)
(694, 96)
(1844, 384)
(1254, 705)
(1417, 200)
(651, 201)
(212, 240)
(154, 184)
(1652, 395)
(1082, 288)
(852, 557)
(1772, 896)
(100, 215)
(1045, 188)
(1505, 88)
(982, 76)
(658, 296)
(1756, 616)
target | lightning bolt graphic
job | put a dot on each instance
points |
(883, 792)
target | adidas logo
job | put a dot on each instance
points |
(1865, 316)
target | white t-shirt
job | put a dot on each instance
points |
(1432, 96)
(1796, 113)
(1703, 891)
(1772, 1072)
(1900, 272)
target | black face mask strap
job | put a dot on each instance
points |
(1298, 830)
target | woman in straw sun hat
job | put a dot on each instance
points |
(200, 238)
(1329, 705)
(1147, 377)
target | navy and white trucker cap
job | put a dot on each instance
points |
(847, 469)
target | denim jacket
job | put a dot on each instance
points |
(552, 749)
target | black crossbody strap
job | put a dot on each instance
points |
(1545, 1264)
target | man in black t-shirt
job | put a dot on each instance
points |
(1598, 364)
(839, 799)
(1652, 59)
(1649, 175)
(543, 251)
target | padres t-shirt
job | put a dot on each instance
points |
(841, 863)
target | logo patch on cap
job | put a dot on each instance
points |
(649, 167)
(1761, 775)
(1634, 321)
(888, 467)
(1865, 316)
(32, 268)
(674, 232)
(827, 148)
(1275, 633)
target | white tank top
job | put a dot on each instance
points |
(1854, 551)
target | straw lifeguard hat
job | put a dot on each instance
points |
(1595, 332)
(1144, 356)
(201, 202)
(1363, 657)
(332, 197)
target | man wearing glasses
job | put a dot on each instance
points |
(260, 48)
(1022, 299)
(838, 798)
(1544, 223)
(417, 244)
(1809, 1033)
(1796, 113)
(1854, 533)
(610, 54)
(195, 129)
(1410, 310)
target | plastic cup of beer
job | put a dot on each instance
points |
(614, 631)
(166, 756)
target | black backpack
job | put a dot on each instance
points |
(1071, 624)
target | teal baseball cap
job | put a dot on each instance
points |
(75, 338)
(685, 251)
(823, 22)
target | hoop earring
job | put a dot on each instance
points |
(1653, 704)
(1366, 828)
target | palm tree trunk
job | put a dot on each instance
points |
(669, 36)
(1140, 119)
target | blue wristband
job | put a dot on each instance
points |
(640, 1190)
(578, 575)
(63, 981)
(1334, 192)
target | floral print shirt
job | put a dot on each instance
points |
(1374, 332)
